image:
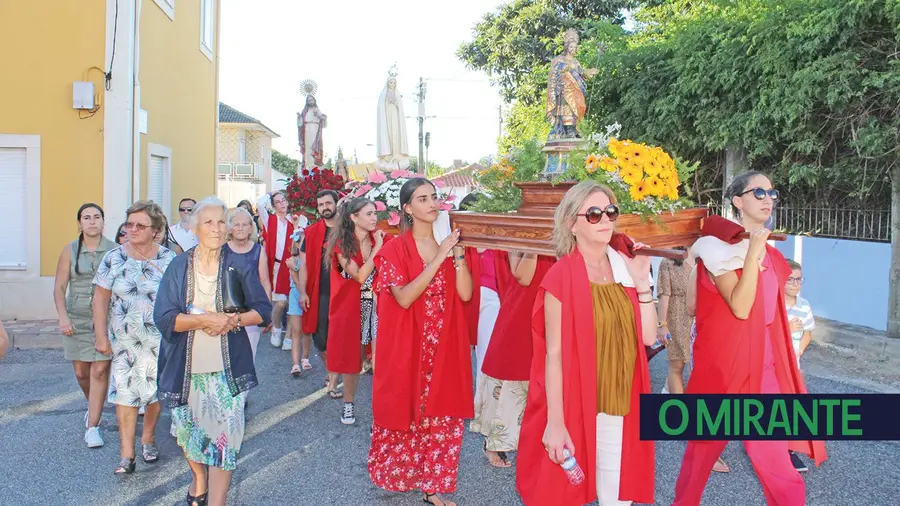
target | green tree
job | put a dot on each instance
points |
(284, 164)
(515, 43)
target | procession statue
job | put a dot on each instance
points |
(566, 87)
(391, 148)
(310, 123)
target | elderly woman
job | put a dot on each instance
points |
(593, 316)
(125, 287)
(241, 242)
(207, 298)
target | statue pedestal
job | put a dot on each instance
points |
(557, 152)
(392, 164)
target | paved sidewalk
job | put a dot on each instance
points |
(856, 340)
(29, 334)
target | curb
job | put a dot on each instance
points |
(854, 340)
(24, 341)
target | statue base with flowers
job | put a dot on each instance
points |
(645, 179)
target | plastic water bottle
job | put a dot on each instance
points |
(572, 469)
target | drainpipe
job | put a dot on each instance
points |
(136, 106)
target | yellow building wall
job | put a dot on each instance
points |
(45, 51)
(179, 92)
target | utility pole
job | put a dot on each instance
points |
(421, 117)
(427, 145)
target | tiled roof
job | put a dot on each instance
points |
(228, 114)
(460, 177)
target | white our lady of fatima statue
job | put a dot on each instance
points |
(391, 147)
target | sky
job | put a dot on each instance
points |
(268, 47)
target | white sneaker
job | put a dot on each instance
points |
(92, 437)
(347, 417)
(276, 338)
(286, 346)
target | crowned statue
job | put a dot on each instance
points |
(391, 148)
(566, 87)
(310, 122)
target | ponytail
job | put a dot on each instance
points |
(78, 252)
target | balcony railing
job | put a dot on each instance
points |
(241, 171)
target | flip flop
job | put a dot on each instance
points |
(720, 466)
(504, 462)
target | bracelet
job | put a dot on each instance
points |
(648, 292)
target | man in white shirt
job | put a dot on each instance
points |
(181, 231)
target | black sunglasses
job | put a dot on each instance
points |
(595, 214)
(761, 194)
(185, 209)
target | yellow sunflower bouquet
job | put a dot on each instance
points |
(646, 179)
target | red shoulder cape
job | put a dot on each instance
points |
(344, 325)
(508, 356)
(315, 240)
(539, 481)
(728, 352)
(282, 285)
(397, 382)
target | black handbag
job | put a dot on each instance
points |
(233, 292)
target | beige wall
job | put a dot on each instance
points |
(179, 90)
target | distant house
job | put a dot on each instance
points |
(460, 182)
(244, 165)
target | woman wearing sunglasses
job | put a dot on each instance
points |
(743, 343)
(593, 316)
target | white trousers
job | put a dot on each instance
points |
(609, 459)
(487, 317)
(253, 333)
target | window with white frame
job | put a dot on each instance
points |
(159, 177)
(242, 146)
(13, 195)
(207, 26)
(167, 6)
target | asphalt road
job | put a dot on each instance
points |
(296, 452)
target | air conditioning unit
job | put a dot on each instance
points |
(223, 169)
(244, 170)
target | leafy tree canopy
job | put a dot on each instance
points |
(283, 163)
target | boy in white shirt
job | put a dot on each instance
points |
(802, 323)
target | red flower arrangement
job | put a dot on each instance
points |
(302, 188)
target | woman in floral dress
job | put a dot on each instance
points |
(422, 387)
(126, 283)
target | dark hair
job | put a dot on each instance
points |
(343, 236)
(794, 265)
(469, 199)
(406, 193)
(169, 239)
(246, 205)
(81, 210)
(679, 261)
(739, 185)
(328, 193)
(120, 232)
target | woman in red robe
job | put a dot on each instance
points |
(743, 343)
(593, 317)
(503, 386)
(422, 387)
(351, 312)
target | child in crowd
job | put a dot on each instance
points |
(296, 306)
(802, 323)
(800, 313)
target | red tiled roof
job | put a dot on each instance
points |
(460, 177)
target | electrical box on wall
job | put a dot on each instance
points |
(83, 95)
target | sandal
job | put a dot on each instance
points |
(296, 371)
(199, 500)
(427, 500)
(335, 394)
(306, 365)
(150, 453)
(504, 461)
(126, 466)
(720, 466)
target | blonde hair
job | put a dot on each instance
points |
(234, 213)
(158, 220)
(567, 213)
